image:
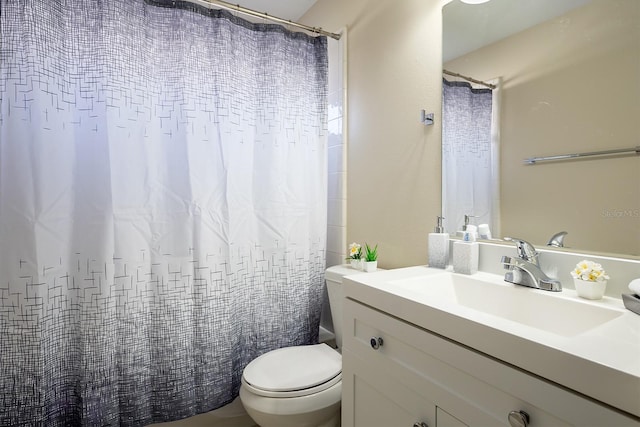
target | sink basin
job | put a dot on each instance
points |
(549, 311)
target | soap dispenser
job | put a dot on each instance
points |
(466, 254)
(467, 226)
(438, 246)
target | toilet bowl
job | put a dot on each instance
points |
(299, 386)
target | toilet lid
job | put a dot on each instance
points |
(293, 368)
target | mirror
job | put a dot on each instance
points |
(570, 84)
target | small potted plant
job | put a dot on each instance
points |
(355, 256)
(590, 279)
(370, 258)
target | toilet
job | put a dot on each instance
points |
(299, 386)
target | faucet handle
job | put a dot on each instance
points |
(526, 250)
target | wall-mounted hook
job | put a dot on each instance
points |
(426, 118)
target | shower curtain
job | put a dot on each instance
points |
(162, 206)
(470, 159)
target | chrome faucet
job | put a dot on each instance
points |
(557, 240)
(525, 269)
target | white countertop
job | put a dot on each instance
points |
(602, 363)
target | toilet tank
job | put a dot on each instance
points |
(333, 278)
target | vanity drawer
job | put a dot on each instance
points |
(472, 387)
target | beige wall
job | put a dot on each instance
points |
(571, 85)
(393, 161)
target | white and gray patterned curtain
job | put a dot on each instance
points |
(469, 156)
(162, 206)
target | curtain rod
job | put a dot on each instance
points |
(534, 160)
(470, 79)
(246, 11)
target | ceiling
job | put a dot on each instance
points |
(468, 27)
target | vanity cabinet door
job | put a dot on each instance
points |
(392, 367)
(400, 373)
(373, 398)
(445, 419)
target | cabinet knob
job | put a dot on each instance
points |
(518, 419)
(376, 342)
(420, 425)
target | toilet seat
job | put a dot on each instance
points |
(293, 371)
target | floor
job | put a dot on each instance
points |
(232, 415)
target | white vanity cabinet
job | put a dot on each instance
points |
(397, 374)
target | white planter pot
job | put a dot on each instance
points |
(370, 266)
(356, 264)
(590, 290)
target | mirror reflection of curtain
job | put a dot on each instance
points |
(163, 206)
(470, 156)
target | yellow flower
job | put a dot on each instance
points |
(355, 251)
(589, 271)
